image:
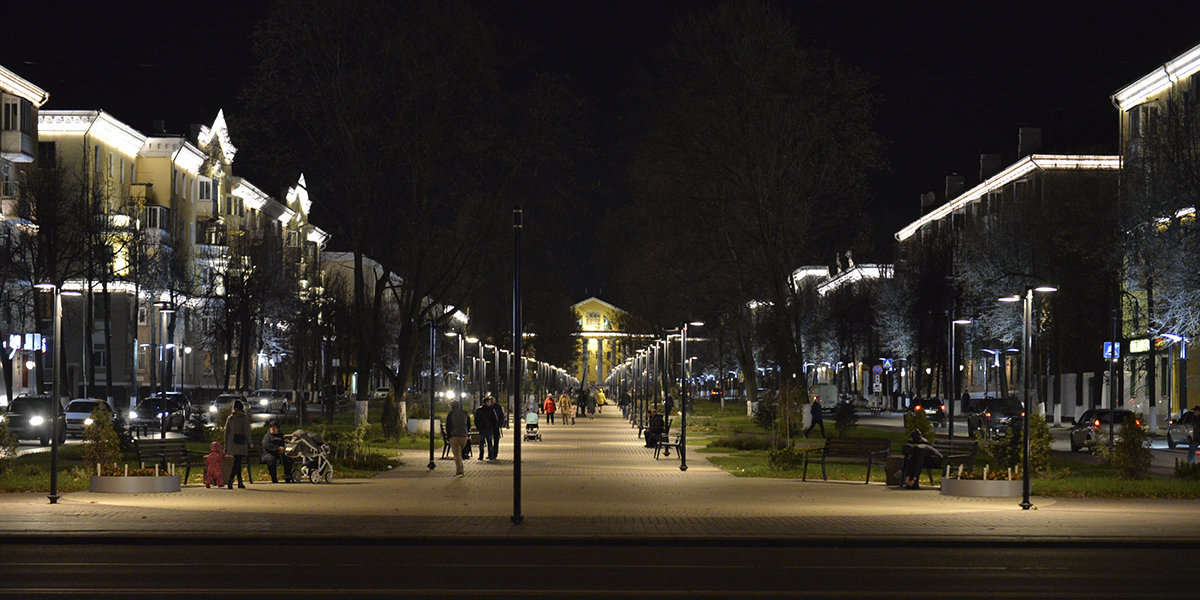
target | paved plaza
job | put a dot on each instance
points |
(593, 480)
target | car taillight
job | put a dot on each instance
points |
(918, 407)
(988, 415)
(1096, 423)
(1137, 422)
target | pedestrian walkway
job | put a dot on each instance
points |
(593, 480)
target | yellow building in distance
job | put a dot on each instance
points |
(601, 337)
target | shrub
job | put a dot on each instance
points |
(8, 448)
(1131, 453)
(196, 430)
(1185, 471)
(418, 410)
(101, 446)
(1008, 450)
(764, 414)
(845, 419)
(785, 459)
(920, 422)
(217, 432)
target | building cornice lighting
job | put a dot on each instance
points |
(254, 197)
(15, 84)
(857, 273)
(1154, 82)
(219, 131)
(93, 123)
(1016, 171)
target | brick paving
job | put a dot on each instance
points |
(590, 480)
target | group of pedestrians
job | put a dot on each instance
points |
(238, 445)
(563, 407)
(489, 418)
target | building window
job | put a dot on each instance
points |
(12, 114)
(122, 170)
(592, 321)
(142, 320)
(158, 217)
(96, 158)
(110, 165)
(205, 189)
(47, 155)
(99, 355)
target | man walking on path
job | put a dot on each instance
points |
(501, 420)
(815, 412)
(457, 426)
(485, 422)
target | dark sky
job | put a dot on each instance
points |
(954, 79)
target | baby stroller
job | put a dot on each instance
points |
(310, 454)
(532, 432)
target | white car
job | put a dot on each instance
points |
(273, 401)
(79, 414)
(381, 393)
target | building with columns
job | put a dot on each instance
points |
(601, 338)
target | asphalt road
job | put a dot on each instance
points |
(163, 568)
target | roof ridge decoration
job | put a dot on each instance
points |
(1154, 82)
(15, 84)
(220, 132)
(589, 299)
(1015, 171)
(299, 193)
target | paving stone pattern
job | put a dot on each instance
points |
(589, 480)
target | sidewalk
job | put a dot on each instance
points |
(591, 480)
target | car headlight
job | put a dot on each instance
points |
(133, 414)
(212, 408)
(262, 402)
(87, 421)
(36, 420)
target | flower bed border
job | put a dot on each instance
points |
(116, 484)
(980, 488)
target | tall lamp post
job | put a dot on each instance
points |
(56, 394)
(683, 392)
(1026, 362)
(952, 375)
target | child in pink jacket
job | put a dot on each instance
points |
(213, 474)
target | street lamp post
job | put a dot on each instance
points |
(952, 381)
(1026, 351)
(56, 393)
(683, 392)
(517, 335)
(164, 308)
(432, 385)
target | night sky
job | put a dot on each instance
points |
(954, 79)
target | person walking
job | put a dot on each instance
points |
(600, 400)
(817, 417)
(549, 408)
(272, 453)
(237, 442)
(485, 422)
(494, 450)
(457, 426)
(567, 407)
(582, 404)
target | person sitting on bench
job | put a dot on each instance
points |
(656, 429)
(918, 454)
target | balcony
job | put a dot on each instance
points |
(17, 146)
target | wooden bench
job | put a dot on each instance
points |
(849, 450)
(954, 453)
(168, 451)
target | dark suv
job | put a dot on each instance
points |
(28, 418)
(1093, 425)
(992, 416)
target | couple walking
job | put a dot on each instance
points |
(563, 406)
(489, 417)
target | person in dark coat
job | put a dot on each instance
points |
(485, 422)
(657, 427)
(501, 421)
(237, 442)
(272, 453)
(918, 454)
(817, 417)
(458, 424)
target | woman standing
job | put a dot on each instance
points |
(568, 411)
(237, 442)
(548, 407)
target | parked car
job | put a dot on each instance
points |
(934, 409)
(79, 411)
(222, 402)
(150, 413)
(1093, 425)
(275, 401)
(1180, 429)
(28, 418)
(992, 415)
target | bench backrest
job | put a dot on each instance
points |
(856, 446)
(957, 448)
(166, 449)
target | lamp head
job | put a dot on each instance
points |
(44, 286)
(1045, 289)
(1010, 299)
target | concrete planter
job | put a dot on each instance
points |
(418, 425)
(979, 488)
(108, 484)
